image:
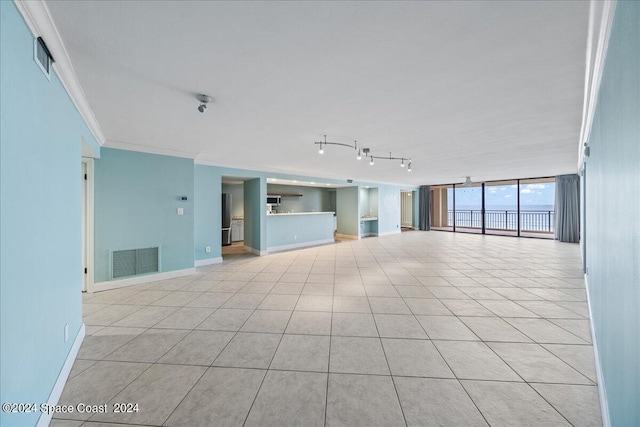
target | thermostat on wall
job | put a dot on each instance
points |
(183, 198)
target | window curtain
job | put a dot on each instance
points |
(425, 207)
(567, 208)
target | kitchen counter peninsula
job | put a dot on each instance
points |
(298, 229)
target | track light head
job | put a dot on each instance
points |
(321, 150)
(409, 167)
(371, 161)
(402, 163)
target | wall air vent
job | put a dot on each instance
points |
(42, 56)
(133, 262)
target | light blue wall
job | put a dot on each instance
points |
(41, 211)
(313, 199)
(255, 211)
(388, 209)
(237, 198)
(287, 230)
(348, 211)
(207, 212)
(612, 221)
(136, 202)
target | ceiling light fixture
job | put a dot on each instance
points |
(362, 151)
(204, 100)
(467, 182)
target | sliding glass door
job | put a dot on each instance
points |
(468, 208)
(524, 207)
(537, 207)
(442, 207)
(501, 208)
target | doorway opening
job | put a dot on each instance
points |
(87, 224)
(406, 210)
(233, 216)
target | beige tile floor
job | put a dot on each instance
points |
(412, 329)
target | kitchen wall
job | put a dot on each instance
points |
(348, 211)
(136, 204)
(237, 198)
(612, 228)
(41, 209)
(313, 199)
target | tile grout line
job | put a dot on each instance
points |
(386, 359)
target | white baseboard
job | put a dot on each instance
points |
(255, 251)
(299, 245)
(208, 261)
(137, 280)
(387, 233)
(58, 387)
(604, 404)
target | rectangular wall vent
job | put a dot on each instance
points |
(42, 56)
(133, 262)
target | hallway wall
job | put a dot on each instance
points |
(612, 226)
(41, 269)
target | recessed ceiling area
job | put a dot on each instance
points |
(300, 183)
(491, 90)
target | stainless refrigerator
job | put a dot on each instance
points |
(226, 219)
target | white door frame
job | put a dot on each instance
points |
(87, 256)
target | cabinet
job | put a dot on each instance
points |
(237, 230)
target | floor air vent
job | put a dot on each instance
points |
(132, 262)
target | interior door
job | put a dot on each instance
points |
(84, 226)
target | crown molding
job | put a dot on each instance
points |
(149, 149)
(38, 18)
(600, 20)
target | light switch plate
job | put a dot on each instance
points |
(180, 211)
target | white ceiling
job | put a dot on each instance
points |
(487, 89)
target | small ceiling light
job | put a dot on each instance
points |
(295, 180)
(402, 163)
(321, 150)
(371, 161)
(409, 167)
(359, 154)
(468, 181)
(312, 182)
(204, 100)
(327, 184)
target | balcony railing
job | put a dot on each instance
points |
(534, 221)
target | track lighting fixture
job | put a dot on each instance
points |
(362, 151)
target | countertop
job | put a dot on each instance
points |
(300, 213)
(369, 218)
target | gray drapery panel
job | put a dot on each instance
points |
(568, 208)
(425, 207)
